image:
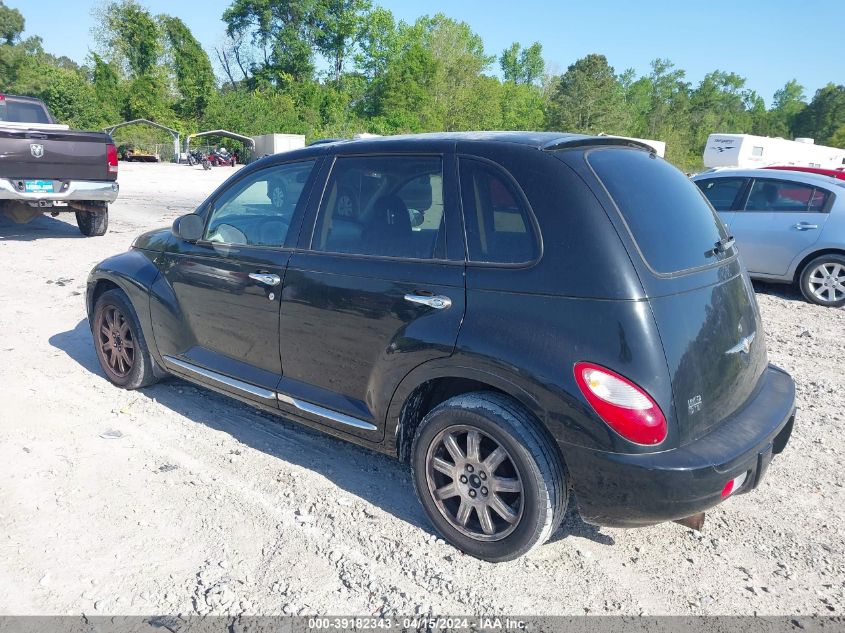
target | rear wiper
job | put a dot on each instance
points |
(721, 246)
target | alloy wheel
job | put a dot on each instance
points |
(827, 282)
(474, 483)
(116, 344)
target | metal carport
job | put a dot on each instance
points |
(224, 133)
(175, 134)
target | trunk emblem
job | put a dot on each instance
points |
(743, 346)
(36, 149)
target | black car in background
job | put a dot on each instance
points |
(520, 316)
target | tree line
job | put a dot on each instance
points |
(329, 68)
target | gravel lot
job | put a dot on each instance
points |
(176, 500)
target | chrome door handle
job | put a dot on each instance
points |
(438, 302)
(266, 279)
(805, 226)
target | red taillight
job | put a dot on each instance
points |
(733, 485)
(111, 155)
(625, 407)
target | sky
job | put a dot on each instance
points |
(768, 42)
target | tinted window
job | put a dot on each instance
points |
(786, 197)
(257, 210)
(673, 226)
(388, 206)
(22, 112)
(722, 192)
(498, 226)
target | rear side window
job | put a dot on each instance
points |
(722, 192)
(670, 221)
(22, 112)
(498, 226)
(786, 197)
(385, 206)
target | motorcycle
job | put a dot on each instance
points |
(222, 156)
(196, 157)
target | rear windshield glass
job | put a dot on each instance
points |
(668, 217)
(22, 112)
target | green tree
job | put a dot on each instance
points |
(131, 36)
(337, 27)
(522, 65)
(788, 102)
(588, 98)
(282, 33)
(378, 43)
(11, 24)
(825, 114)
(191, 67)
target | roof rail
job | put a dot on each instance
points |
(568, 142)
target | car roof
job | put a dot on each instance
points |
(537, 140)
(774, 174)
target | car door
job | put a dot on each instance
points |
(376, 289)
(725, 194)
(779, 220)
(221, 317)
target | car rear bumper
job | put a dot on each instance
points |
(64, 191)
(624, 490)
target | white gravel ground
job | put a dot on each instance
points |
(176, 500)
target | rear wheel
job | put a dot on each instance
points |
(119, 342)
(488, 478)
(93, 223)
(823, 281)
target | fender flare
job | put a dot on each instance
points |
(449, 367)
(134, 273)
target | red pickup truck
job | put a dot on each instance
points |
(47, 167)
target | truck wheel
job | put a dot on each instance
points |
(489, 479)
(119, 342)
(823, 281)
(93, 223)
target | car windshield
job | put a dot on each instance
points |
(668, 217)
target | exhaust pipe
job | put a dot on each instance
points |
(694, 522)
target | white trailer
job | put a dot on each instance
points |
(748, 151)
(276, 143)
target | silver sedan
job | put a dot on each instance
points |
(789, 226)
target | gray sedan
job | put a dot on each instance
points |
(789, 226)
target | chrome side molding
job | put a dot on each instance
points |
(269, 396)
(232, 383)
(328, 414)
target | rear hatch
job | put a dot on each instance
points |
(700, 296)
(49, 154)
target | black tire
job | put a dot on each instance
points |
(532, 462)
(93, 223)
(206, 164)
(822, 281)
(142, 370)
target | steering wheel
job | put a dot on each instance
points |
(228, 234)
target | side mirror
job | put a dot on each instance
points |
(189, 227)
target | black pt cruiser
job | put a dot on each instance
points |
(525, 318)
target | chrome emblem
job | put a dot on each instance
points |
(743, 346)
(36, 149)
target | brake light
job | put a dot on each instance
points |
(733, 485)
(111, 155)
(622, 405)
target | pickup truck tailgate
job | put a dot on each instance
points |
(53, 154)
